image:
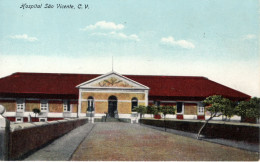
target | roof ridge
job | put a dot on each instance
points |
(169, 76)
(39, 73)
(133, 75)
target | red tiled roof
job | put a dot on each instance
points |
(160, 86)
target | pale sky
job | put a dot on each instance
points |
(217, 39)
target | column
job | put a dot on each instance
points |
(4, 135)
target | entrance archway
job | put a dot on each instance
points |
(112, 106)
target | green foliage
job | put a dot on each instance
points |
(155, 110)
(249, 109)
(36, 111)
(167, 110)
(141, 109)
(152, 110)
(229, 109)
(219, 105)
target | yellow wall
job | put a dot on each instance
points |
(74, 108)
(101, 107)
(84, 105)
(56, 107)
(190, 109)
(141, 103)
(124, 107)
(30, 106)
(120, 96)
(10, 106)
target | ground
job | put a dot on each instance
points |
(123, 141)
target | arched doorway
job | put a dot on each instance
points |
(112, 106)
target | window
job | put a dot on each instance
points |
(157, 103)
(19, 119)
(44, 106)
(134, 102)
(179, 107)
(90, 103)
(66, 106)
(20, 105)
(200, 109)
(43, 119)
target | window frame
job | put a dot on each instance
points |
(47, 105)
(201, 107)
(66, 105)
(20, 102)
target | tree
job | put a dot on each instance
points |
(166, 110)
(249, 109)
(141, 109)
(153, 110)
(229, 110)
(36, 111)
(217, 106)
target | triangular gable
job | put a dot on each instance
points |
(112, 80)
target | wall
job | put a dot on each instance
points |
(10, 105)
(101, 107)
(215, 129)
(124, 107)
(31, 104)
(84, 105)
(55, 106)
(74, 107)
(101, 101)
(190, 109)
(55, 109)
(26, 137)
(120, 96)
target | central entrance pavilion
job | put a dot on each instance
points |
(111, 94)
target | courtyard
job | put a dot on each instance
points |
(123, 141)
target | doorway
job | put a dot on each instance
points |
(112, 106)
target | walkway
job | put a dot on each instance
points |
(62, 148)
(123, 141)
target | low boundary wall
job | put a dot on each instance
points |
(214, 129)
(27, 137)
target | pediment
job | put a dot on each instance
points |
(112, 80)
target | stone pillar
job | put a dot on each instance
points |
(4, 135)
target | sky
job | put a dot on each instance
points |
(217, 39)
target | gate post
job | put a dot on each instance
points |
(4, 135)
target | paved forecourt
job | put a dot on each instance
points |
(123, 141)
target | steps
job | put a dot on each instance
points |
(109, 119)
(112, 120)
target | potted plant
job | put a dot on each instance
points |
(36, 111)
